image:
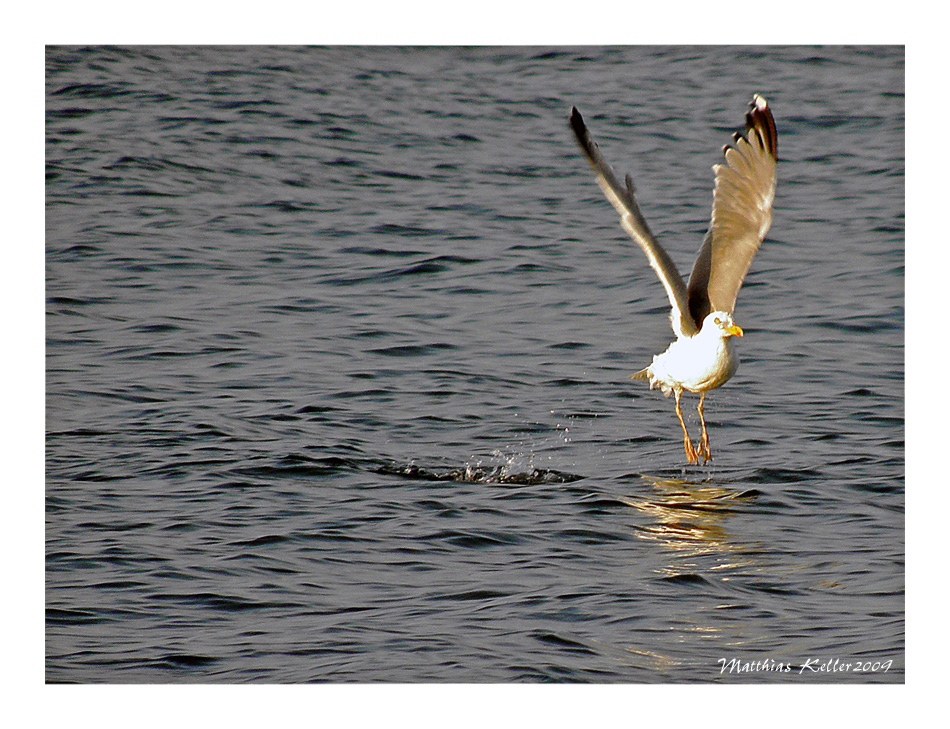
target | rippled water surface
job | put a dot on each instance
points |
(337, 353)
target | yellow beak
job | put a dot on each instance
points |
(735, 329)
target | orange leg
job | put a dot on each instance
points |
(704, 445)
(691, 454)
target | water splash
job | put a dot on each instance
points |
(500, 468)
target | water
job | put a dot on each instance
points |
(337, 353)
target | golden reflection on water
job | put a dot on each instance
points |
(689, 517)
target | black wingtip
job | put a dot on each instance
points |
(577, 122)
(760, 125)
(761, 121)
(581, 133)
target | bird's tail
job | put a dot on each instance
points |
(643, 374)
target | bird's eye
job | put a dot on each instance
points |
(718, 322)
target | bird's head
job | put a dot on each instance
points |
(721, 322)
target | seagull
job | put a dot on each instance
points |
(702, 357)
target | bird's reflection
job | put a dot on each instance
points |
(689, 517)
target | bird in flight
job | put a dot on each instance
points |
(702, 357)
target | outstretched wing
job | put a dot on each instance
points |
(622, 198)
(741, 214)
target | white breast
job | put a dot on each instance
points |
(695, 363)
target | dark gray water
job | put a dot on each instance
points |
(337, 355)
